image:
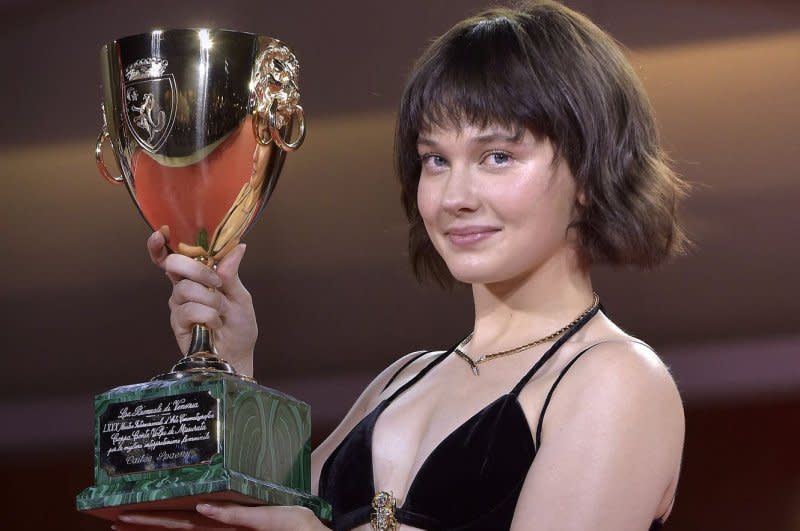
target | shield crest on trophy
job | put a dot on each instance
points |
(150, 102)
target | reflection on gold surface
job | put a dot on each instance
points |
(244, 208)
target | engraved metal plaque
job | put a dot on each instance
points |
(162, 433)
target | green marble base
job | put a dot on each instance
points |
(170, 444)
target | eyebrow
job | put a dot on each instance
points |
(488, 138)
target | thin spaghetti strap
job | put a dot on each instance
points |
(538, 439)
(553, 349)
(414, 358)
(562, 374)
(420, 374)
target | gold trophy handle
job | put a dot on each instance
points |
(98, 155)
(275, 131)
(275, 93)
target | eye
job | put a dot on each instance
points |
(433, 160)
(497, 158)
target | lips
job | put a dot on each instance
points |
(470, 234)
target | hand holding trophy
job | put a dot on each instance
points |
(214, 296)
(200, 122)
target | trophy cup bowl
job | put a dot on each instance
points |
(199, 122)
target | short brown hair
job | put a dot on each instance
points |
(547, 68)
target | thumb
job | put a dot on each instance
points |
(156, 248)
(228, 270)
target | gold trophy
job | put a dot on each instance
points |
(199, 122)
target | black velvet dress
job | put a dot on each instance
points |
(470, 481)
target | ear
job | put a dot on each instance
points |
(580, 197)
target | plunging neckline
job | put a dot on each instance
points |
(409, 491)
(476, 440)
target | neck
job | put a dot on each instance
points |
(533, 305)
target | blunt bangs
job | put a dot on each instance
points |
(481, 77)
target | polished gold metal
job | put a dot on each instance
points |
(489, 357)
(275, 129)
(200, 122)
(276, 96)
(98, 153)
(384, 506)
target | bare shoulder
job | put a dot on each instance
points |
(623, 368)
(622, 387)
(611, 442)
(369, 398)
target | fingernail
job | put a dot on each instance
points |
(205, 508)
(124, 518)
(114, 527)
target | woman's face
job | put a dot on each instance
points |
(494, 203)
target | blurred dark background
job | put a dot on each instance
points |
(84, 310)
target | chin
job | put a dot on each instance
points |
(500, 269)
(478, 274)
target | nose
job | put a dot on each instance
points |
(459, 194)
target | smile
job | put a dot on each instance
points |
(463, 236)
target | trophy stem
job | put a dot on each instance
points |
(202, 341)
(201, 359)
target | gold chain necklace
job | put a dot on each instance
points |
(489, 357)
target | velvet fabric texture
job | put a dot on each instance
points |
(470, 481)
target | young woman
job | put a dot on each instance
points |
(527, 152)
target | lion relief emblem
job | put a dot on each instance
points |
(150, 102)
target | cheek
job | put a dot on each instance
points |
(518, 202)
(537, 214)
(426, 202)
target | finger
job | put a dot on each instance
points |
(183, 317)
(274, 518)
(228, 271)
(233, 514)
(158, 521)
(166, 521)
(205, 527)
(179, 266)
(190, 291)
(136, 527)
(157, 248)
(173, 278)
